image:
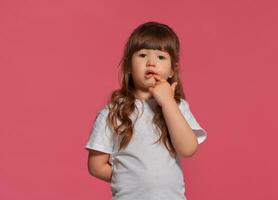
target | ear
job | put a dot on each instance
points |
(173, 70)
(171, 73)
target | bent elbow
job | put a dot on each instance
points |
(91, 171)
(189, 153)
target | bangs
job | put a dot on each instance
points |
(153, 42)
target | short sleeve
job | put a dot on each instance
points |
(201, 133)
(101, 136)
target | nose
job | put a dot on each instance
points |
(151, 61)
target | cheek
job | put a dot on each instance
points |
(166, 67)
(137, 62)
(137, 72)
(134, 63)
(137, 66)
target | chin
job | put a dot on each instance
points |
(150, 83)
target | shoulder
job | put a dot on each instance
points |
(104, 110)
(101, 113)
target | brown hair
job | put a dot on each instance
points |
(150, 35)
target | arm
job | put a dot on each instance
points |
(98, 165)
(183, 138)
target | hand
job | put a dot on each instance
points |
(162, 91)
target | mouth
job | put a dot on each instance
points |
(149, 74)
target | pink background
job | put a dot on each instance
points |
(59, 64)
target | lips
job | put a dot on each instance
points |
(149, 73)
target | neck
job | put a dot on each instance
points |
(142, 95)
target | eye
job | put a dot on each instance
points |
(142, 55)
(161, 57)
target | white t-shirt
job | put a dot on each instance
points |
(142, 171)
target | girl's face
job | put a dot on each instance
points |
(144, 63)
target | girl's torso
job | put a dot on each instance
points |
(144, 170)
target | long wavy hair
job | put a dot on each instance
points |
(149, 35)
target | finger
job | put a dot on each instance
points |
(174, 85)
(158, 78)
(150, 89)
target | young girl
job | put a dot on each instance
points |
(141, 134)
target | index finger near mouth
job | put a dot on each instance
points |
(157, 77)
